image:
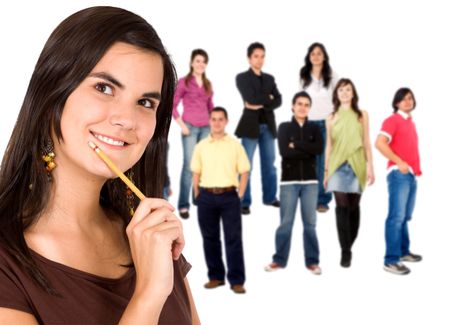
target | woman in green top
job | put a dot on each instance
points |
(348, 162)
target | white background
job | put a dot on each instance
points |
(381, 46)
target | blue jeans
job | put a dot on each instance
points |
(289, 197)
(189, 141)
(324, 196)
(266, 143)
(402, 197)
(212, 208)
(166, 190)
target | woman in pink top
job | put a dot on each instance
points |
(195, 90)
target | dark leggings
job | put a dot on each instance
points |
(347, 200)
(347, 219)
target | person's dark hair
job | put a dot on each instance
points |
(301, 94)
(70, 54)
(336, 103)
(190, 75)
(219, 109)
(252, 47)
(400, 95)
(305, 71)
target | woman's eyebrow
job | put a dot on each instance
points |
(107, 77)
(152, 94)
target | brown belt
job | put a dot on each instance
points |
(219, 190)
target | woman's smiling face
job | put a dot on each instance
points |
(114, 107)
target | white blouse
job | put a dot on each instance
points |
(322, 97)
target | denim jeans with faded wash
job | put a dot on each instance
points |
(189, 141)
(324, 197)
(402, 197)
(290, 195)
(266, 143)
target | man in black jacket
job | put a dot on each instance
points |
(257, 124)
(299, 141)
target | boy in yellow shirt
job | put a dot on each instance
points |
(217, 163)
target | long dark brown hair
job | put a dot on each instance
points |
(190, 75)
(336, 103)
(326, 73)
(70, 54)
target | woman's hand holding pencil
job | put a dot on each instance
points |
(156, 239)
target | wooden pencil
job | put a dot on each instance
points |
(116, 170)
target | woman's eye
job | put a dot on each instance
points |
(147, 103)
(104, 88)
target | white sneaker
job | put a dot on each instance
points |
(411, 258)
(315, 269)
(397, 268)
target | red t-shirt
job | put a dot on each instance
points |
(404, 141)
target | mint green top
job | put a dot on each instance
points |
(347, 136)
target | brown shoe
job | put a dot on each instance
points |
(212, 284)
(238, 288)
(273, 267)
(322, 208)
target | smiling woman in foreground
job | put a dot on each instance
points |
(69, 252)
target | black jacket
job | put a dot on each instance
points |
(299, 163)
(257, 92)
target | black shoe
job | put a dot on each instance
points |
(346, 259)
(184, 214)
(275, 204)
(245, 210)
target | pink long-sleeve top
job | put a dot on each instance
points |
(197, 103)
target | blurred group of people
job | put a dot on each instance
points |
(325, 150)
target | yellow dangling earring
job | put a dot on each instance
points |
(48, 156)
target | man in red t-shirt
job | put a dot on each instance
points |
(398, 142)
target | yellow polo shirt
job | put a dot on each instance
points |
(219, 162)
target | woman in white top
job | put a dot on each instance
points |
(318, 80)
